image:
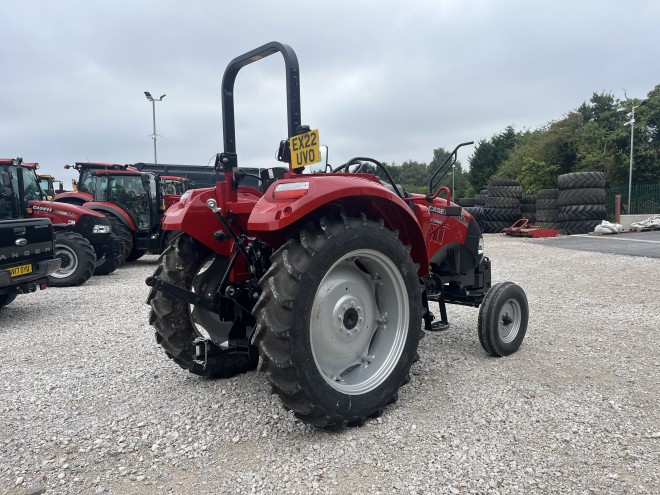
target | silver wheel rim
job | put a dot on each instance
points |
(508, 322)
(359, 322)
(69, 262)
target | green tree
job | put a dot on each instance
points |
(489, 156)
(541, 155)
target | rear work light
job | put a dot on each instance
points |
(290, 190)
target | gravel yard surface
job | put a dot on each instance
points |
(89, 403)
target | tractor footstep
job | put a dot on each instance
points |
(439, 326)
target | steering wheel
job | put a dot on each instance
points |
(346, 167)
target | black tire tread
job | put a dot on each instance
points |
(86, 259)
(490, 344)
(582, 212)
(110, 264)
(508, 191)
(275, 320)
(502, 202)
(170, 317)
(581, 196)
(547, 194)
(123, 232)
(580, 180)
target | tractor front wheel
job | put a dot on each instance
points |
(339, 320)
(124, 234)
(78, 260)
(110, 263)
(192, 266)
(503, 319)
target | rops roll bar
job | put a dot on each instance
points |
(228, 159)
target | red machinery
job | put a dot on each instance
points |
(523, 228)
(84, 241)
(327, 277)
(133, 201)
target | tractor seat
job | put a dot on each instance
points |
(399, 188)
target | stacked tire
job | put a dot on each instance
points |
(469, 205)
(581, 201)
(528, 208)
(547, 209)
(502, 205)
(480, 199)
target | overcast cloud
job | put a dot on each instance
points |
(387, 79)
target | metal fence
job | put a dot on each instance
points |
(645, 200)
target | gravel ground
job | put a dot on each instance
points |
(90, 404)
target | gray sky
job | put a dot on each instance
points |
(388, 79)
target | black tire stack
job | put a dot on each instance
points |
(502, 205)
(480, 199)
(581, 201)
(528, 208)
(466, 202)
(547, 209)
(469, 205)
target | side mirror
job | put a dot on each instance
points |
(6, 179)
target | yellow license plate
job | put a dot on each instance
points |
(17, 271)
(305, 149)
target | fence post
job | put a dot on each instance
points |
(617, 208)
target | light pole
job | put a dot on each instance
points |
(154, 136)
(631, 123)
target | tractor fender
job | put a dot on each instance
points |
(274, 217)
(60, 213)
(77, 197)
(123, 216)
(192, 216)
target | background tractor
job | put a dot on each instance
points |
(84, 241)
(50, 186)
(133, 202)
(324, 278)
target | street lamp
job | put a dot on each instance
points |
(631, 123)
(154, 136)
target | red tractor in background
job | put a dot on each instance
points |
(172, 188)
(132, 201)
(326, 277)
(84, 241)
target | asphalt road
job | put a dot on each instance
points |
(629, 243)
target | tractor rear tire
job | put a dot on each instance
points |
(6, 299)
(339, 320)
(78, 260)
(183, 264)
(503, 318)
(124, 234)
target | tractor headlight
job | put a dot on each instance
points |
(184, 196)
(480, 246)
(101, 229)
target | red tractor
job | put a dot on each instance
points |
(132, 201)
(325, 278)
(84, 241)
(172, 188)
